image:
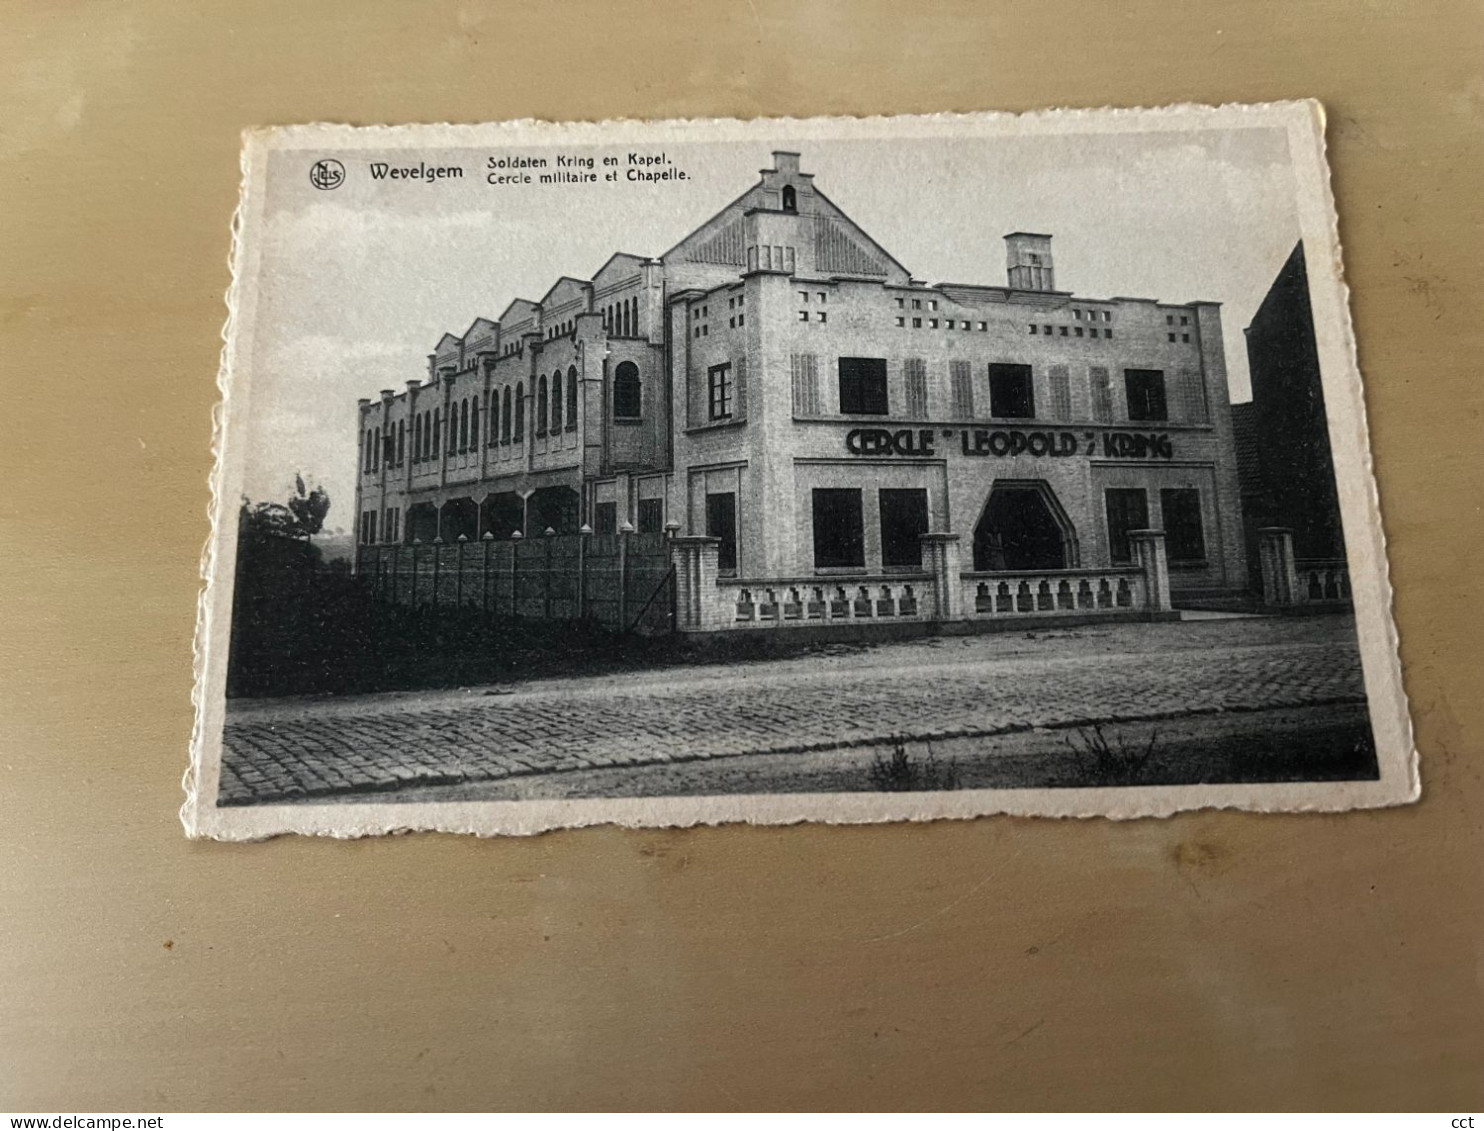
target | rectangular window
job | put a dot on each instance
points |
(1128, 509)
(863, 386)
(651, 516)
(914, 388)
(839, 534)
(1011, 392)
(1061, 392)
(1146, 394)
(1184, 539)
(961, 390)
(821, 317)
(605, 518)
(1100, 384)
(719, 392)
(904, 520)
(806, 384)
(721, 522)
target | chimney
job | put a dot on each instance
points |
(1028, 262)
(785, 162)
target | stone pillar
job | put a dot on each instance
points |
(1279, 576)
(695, 561)
(1149, 547)
(942, 558)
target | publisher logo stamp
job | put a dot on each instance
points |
(327, 174)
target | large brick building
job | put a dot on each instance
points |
(779, 382)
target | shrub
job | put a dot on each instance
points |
(901, 772)
(1110, 763)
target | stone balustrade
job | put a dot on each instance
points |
(707, 602)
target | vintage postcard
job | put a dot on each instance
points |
(843, 470)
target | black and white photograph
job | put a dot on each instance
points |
(836, 470)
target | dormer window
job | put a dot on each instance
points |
(790, 199)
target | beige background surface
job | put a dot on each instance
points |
(1208, 960)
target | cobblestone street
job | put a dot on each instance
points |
(843, 697)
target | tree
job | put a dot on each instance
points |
(303, 516)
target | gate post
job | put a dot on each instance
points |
(484, 576)
(624, 532)
(1279, 574)
(546, 575)
(943, 562)
(1149, 547)
(695, 559)
(458, 580)
(582, 536)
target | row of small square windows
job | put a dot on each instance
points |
(1092, 331)
(948, 323)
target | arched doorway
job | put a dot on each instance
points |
(1024, 527)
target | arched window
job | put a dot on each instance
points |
(422, 436)
(401, 442)
(556, 401)
(626, 391)
(435, 448)
(492, 418)
(505, 416)
(463, 412)
(366, 451)
(473, 424)
(541, 406)
(790, 199)
(520, 411)
(417, 438)
(572, 399)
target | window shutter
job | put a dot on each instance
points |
(805, 368)
(1061, 393)
(1102, 394)
(961, 382)
(915, 381)
(1193, 409)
